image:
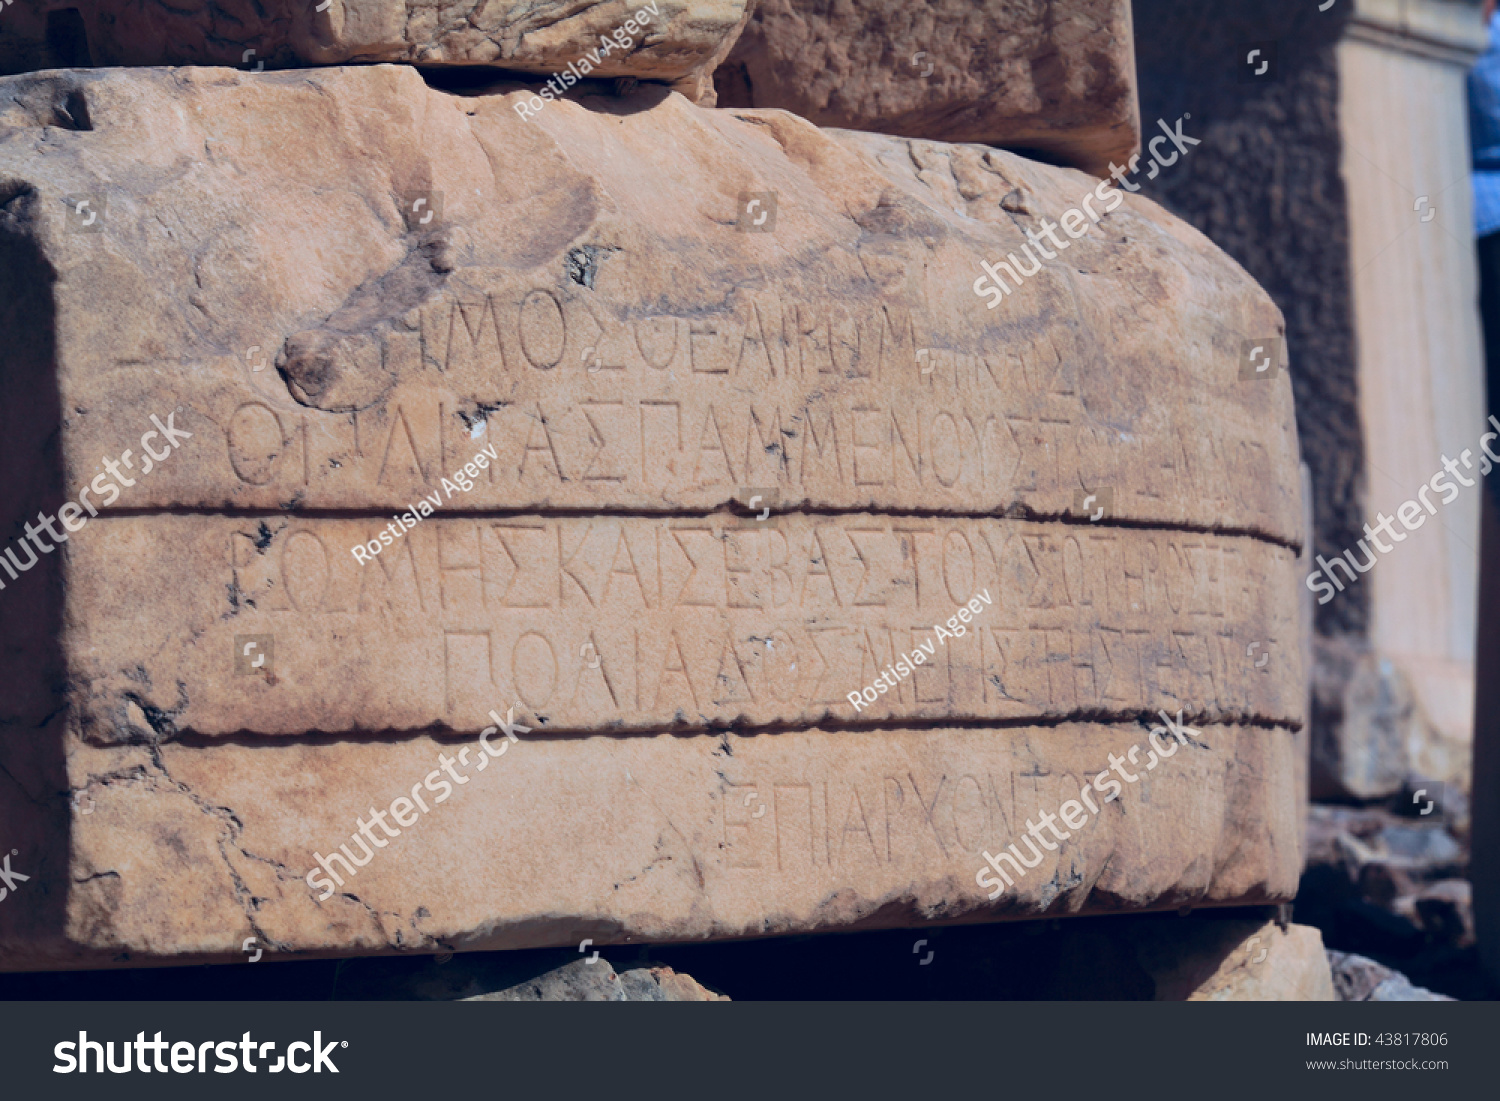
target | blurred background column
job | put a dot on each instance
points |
(1334, 166)
(1403, 67)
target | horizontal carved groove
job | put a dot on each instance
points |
(606, 513)
(190, 740)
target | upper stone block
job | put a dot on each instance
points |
(672, 39)
(1056, 77)
(341, 274)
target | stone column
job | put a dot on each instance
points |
(1404, 133)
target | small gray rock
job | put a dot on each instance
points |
(1360, 979)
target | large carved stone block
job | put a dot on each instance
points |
(1054, 76)
(261, 332)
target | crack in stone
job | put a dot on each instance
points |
(242, 893)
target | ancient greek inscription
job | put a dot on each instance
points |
(596, 621)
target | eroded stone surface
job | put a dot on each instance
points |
(1053, 76)
(676, 40)
(187, 850)
(595, 301)
(1360, 979)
